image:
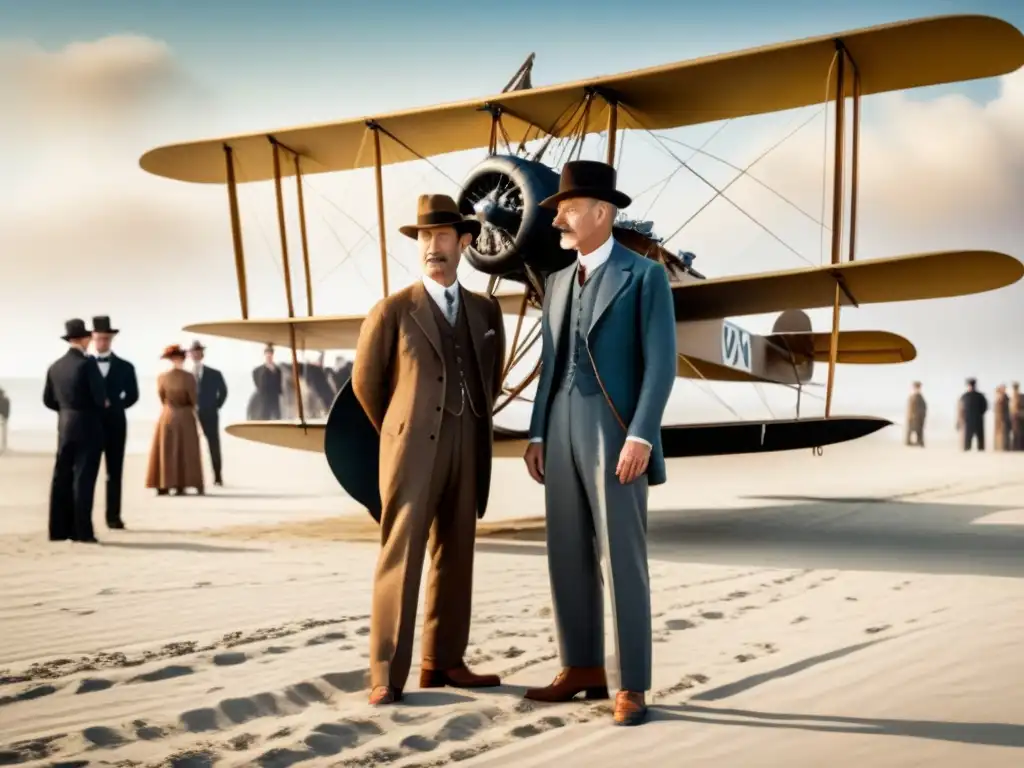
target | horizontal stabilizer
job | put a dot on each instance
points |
(873, 281)
(889, 57)
(855, 347)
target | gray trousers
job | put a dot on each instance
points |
(593, 518)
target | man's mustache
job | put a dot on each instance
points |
(436, 257)
(565, 230)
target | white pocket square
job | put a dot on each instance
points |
(490, 332)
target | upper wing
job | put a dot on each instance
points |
(890, 57)
(874, 281)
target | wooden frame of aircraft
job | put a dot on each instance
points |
(879, 59)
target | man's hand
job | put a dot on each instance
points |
(106, 403)
(632, 461)
(534, 458)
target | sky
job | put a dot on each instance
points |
(90, 86)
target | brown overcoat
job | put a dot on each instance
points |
(175, 460)
(399, 378)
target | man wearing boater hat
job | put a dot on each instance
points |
(427, 370)
(122, 389)
(74, 389)
(607, 369)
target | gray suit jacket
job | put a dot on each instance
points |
(632, 338)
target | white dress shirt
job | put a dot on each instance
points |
(103, 361)
(437, 293)
(590, 262)
(197, 371)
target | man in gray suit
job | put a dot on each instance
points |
(607, 369)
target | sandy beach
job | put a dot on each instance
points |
(862, 608)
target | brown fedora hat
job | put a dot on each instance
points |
(587, 178)
(434, 211)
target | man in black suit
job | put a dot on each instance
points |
(122, 389)
(212, 394)
(269, 388)
(74, 389)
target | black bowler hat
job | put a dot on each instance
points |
(101, 324)
(75, 329)
(587, 178)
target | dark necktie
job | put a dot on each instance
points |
(449, 297)
(581, 274)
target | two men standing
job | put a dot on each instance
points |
(90, 396)
(427, 370)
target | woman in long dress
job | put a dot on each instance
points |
(175, 461)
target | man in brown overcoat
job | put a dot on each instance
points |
(427, 370)
(917, 410)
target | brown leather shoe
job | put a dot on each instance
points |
(571, 681)
(384, 694)
(456, 677)
(630, 708)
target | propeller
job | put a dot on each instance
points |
(504, 193)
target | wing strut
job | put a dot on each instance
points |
(287, 276)
(837, 197)
(378, 175)
(236, 232)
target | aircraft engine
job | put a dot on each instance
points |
(504, 193)
(796, 321)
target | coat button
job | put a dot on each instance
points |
(437, 408)
(440, 378)
(431, 437)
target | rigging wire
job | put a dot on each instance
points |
(678, 168)
(746, 171)
(719, 192)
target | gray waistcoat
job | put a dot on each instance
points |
(579, 373)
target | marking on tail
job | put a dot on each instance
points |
(736, 347)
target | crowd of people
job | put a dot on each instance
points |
(972, 408)
(275, 398)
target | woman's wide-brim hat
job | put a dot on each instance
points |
(172, 351)
(587, 178)
(75, 329)
(435, 211)
(101, 324)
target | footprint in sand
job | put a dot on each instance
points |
(678, 624)
(164, 673)
(100, 736)
(93, 684)
(876, 630)
(230, 658)
(712, 615)
(799, 620)
(362, 631)
(326, 638)
(743, 657)
(32, 693)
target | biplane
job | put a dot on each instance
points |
(517, 245)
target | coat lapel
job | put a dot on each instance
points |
(425, 318)
(477, 329)
(558, 301)
(616, 278)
